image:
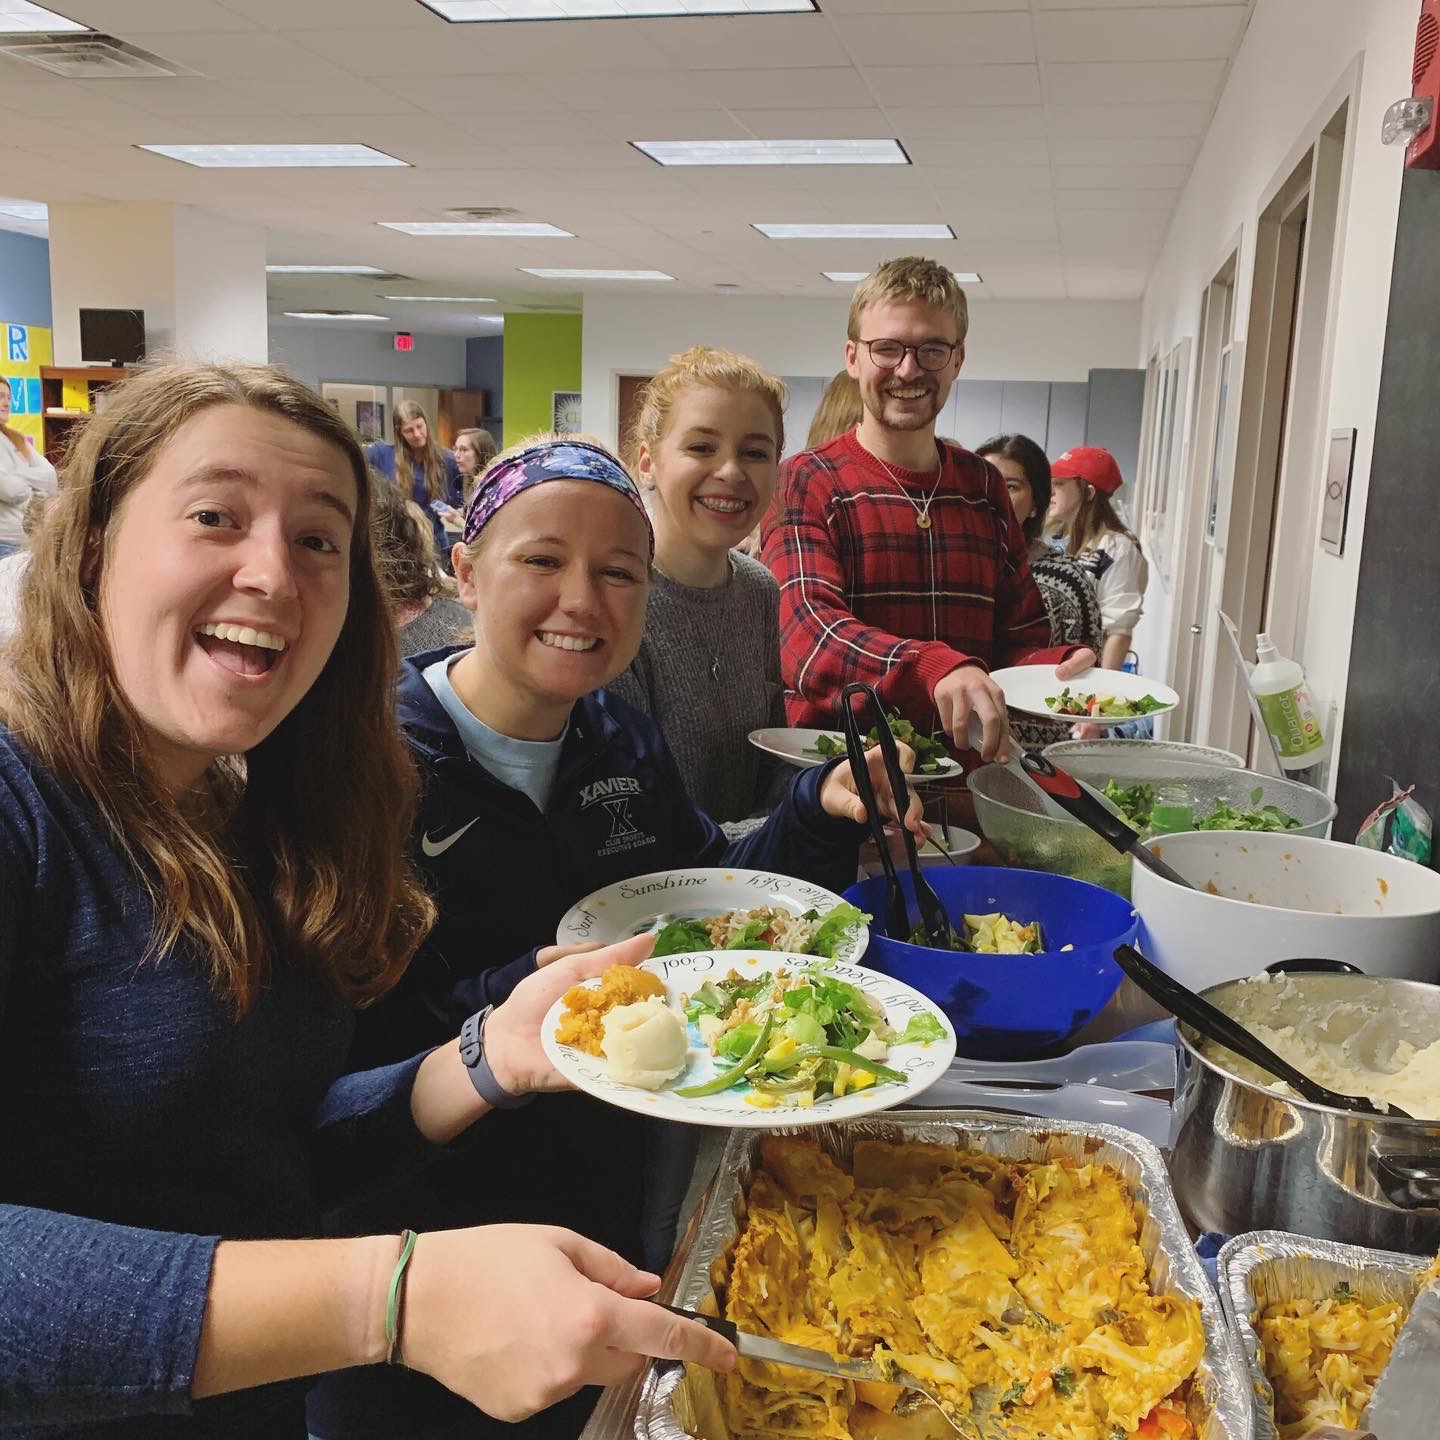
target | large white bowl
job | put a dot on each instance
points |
(1265, 897)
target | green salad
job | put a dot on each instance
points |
(795, 1039)
(1108, 707)
(931, 757)
(1136, 802)
(768, 927)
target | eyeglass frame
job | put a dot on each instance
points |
(950, 345)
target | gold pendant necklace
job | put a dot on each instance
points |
(922, 512)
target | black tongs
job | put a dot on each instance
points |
(936, 923)
(1067, 792)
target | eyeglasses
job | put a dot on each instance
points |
(932, 355)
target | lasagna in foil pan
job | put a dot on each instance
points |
(679, 1403)
(1272, 1267)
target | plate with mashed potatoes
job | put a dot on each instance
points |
(759, 1039)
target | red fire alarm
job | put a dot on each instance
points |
(1413, 122)
(404, 340)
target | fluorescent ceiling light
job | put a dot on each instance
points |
(472, 12)
(325, 270)
(444, 299)
(513, 229)
(20, 17)
(856, 232)
(597, 274)
(773, 152)
(854, 277)
(332, 315)
(274, 157)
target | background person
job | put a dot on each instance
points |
(899, 558)
(840, 409)
(539, 787)
(474, 450)
(708, 436)
(420, 467)
(194, 895)
(1066, 587)
(420, 595)
(1084, 481)
(24, 473)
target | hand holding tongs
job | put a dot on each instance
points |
(938, 930)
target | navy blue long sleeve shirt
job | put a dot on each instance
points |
(140, 1124)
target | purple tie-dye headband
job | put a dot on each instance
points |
(549, 460)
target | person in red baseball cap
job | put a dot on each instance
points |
(1083, 482)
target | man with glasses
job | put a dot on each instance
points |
(898, 555)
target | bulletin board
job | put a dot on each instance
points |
(23, 350)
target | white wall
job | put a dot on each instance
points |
(112, 256)
(200, 279)
(332, 352)
(1009, 339)
(1293, 57)
(219, 285)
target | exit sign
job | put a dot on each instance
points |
(404, 340)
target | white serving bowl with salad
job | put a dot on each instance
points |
(1013, 817)
(745, 1039)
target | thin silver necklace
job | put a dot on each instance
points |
(922, 512)
(714, 646)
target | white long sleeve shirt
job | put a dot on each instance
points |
(23, 473)
(1121, 575)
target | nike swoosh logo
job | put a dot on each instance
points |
(438, 847)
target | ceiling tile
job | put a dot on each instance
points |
(1116, 177)
(856, 124)
(1139, 150)
(1106, 122)
(710, 124)
(978, 152)
(145, 17)
(970, 122)
(1245, 5)
(180, 97)
(1070, 200)
(1202, 33)
(742, 42)
(920, 7)
(955, 84)
(786, 89)
(1180, 81)
(896, 39)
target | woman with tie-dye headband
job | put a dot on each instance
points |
(538, 788)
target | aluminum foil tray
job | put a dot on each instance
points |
(1269, 1267)
(671, 1408)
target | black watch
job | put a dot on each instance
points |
(482, 1077)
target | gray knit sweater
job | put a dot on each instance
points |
(708, 673)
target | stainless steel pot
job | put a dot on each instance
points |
(1246, 1158)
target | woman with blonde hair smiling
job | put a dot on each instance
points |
(203, 808)
(708, 436)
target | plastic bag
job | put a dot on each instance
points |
(1407, 822)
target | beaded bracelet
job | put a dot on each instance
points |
(393, 1299)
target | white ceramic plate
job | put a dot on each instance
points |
(921, 1065)
(648, 902)
(1027, 687)
(794, 744)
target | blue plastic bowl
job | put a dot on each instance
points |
(1008, 1006)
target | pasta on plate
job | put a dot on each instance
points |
(1014, 1287)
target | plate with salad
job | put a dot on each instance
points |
(1098, 697)
(802, 747)
(762, 1040)
(721, 909)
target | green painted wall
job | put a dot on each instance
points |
(542, 355)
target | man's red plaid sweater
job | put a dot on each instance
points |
(865, 594)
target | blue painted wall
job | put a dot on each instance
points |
(485, 368)
(24, 279)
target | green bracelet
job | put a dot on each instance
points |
(392, 1300)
